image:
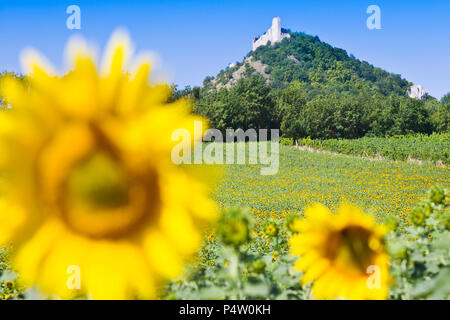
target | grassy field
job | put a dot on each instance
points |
(434, 148)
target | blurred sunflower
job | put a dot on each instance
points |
(234, 227)
(89, 180)
(338, 253)
(271, 229)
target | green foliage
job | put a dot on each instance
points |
(225, 270)
(291, 105)
(187, 92)
(350, 116)
(414, 117)
(333, 117)
(441, 115)
(446, 99)
(248, 104)
(421, 253)
(435, 147)
(287, 141)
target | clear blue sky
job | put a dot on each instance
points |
(195, 39)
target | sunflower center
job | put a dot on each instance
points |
(350, 249)
(102, 200)
(99, 183)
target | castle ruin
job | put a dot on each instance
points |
(273, 35)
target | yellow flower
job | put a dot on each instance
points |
(271, 229)
(275, 256)
(90, 182)
(340, 253)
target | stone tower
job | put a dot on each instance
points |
(276, 30)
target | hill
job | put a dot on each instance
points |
(308, 88)
(307, 59)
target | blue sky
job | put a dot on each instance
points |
(195, 39)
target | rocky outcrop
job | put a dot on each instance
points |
(250, 62)
(292, 58)
(417, 92)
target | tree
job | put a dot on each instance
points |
(446, 99)
(318, 119)
(415, 117)
(290, 108)
(441, 119)
(248, 104)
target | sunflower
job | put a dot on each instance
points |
(88, 179)
(343, 254)
(234, 227)
(418, 215)
(271, 229)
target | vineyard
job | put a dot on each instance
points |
(435, 147)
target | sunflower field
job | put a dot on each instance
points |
(260, 266)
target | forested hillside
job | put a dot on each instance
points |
(308, 88)
(324, 68)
